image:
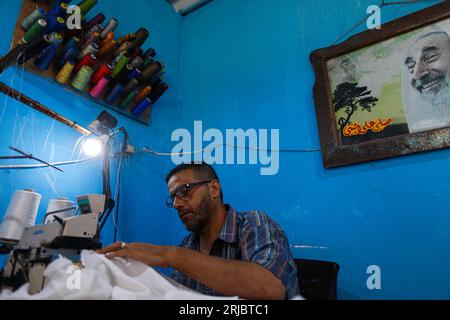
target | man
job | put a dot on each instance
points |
(427, 82)
(228, 253)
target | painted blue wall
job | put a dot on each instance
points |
(245, 64)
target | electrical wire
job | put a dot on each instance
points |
(33, 166)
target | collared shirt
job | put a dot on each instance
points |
(248, 236)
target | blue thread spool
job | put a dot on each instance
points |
(58, 10)
(115, 94)
(56, 38)
(72, 43)
(70, 54)
(141, 107)
(56, 24)
(135, 74)
(37, 14)
(46, 57)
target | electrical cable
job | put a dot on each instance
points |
(33, 166)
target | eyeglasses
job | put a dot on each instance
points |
(182, 191)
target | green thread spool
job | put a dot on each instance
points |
(82, 78)
(120, 65)
(126, 104)
(86, 5)
(35, 31)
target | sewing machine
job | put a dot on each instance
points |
(41, 244)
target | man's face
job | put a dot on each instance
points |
(193, 209)
(428, 62)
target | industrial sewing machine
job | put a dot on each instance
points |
(41, 244)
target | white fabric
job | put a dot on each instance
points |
(104, 279)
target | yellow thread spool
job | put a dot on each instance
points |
(64, 74)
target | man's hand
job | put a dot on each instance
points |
(146, 253)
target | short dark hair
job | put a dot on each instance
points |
(202, 171)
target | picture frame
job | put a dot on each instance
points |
(384, 92)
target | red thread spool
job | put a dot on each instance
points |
(104, 71)
(89, 60)
(137, 53)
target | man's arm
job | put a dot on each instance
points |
(247, 280)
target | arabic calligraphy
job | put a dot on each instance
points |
(354, 129)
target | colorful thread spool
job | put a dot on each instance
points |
(86, 5)
(37, 14)
(56, 38)
(123, 74)
(96, 28)
(70, 54)
(158, 91)
(108, 38)
(36, 30)
(107, 49)
(132, 85)
(34, 48)
(58, 10)
(137, 62)
(135, 74)
(123, 61)
(115, 94)
(64, 74)
(110, 27)
(129, 37)
(142, 94)
(141, 107)
(104, 71)
(129, 99)
(89, 60)
(150, 72)
(97, 91)
(90, 49)
(73, 42)
(55, 24)
(141, 36)
(94, 37)
(82, 78)
(45, 58)
(150, 53)
(125, 47)
(98, 19)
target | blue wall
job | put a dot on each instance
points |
(245, 64)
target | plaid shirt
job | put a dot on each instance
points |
(248, 236)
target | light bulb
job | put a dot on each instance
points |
(93, 147)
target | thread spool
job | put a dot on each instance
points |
(150, 53)
(88, 60)
(129, 37)
(141, 36)
(135, 74)
(55, 24)
(104, 71)
(57, 205)
(137, 62)
(46, 57)
(86, 5)
(125, 46)
(126, 103)
(56, 38)
(107, 49)
(21, 213)
(150, 72)
(98, 89)
(37, 14)
(36, 30)
(123, 74)
(132, 85)
(142, 94)
(141, 107)
(82, 78)
(90, 49)
(73, 42)
(33, 48)
(108, 38)
(98, 19)
(110, 27)
(70, 54)
(115, 94)
(158, 91)
(123, 61)
(64, 74)
(58, 10)
(96, 28)
(93, 38)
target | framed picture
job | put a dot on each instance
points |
(385, 92)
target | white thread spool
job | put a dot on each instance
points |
(56, 205)
(21, 213)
